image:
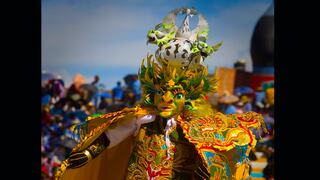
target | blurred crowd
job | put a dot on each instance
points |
(62, 107)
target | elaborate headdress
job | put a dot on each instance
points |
(182, 45)
(179, 58)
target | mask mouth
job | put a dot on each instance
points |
(166, 108)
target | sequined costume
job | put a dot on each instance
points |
(173, 133)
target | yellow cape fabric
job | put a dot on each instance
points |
(110, 164)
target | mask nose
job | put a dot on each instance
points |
(167, 97)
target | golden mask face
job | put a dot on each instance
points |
(169, 102)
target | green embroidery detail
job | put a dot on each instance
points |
(158, 158)
(133, 159)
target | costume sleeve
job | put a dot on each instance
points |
(224, 141)
(103, 132)
(125, 119)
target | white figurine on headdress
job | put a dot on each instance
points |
(182, 46)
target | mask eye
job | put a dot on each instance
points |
(179, 96)
(159, 92)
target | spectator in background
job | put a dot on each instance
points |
(231, 108)
(132, 91)
(95, 80)
(80, 112)
(128, 97)
(101, 92)
(74, 92)
(58, 88)
(136, 87)
(247, 103)
(58, 108)
(260, 96)
(228, 103)
(117, 93)
(45, 115)
(95, 97)
(270, 96)
(103, 103)
(239, 107)
(46, 169)
(45, 99)
(90, 109)
(73, 119)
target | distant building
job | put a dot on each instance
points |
(240, 65)
(243, 78)
(226, 79)
(262, 49)
(231, 78)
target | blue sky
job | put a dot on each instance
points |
(108, 38)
